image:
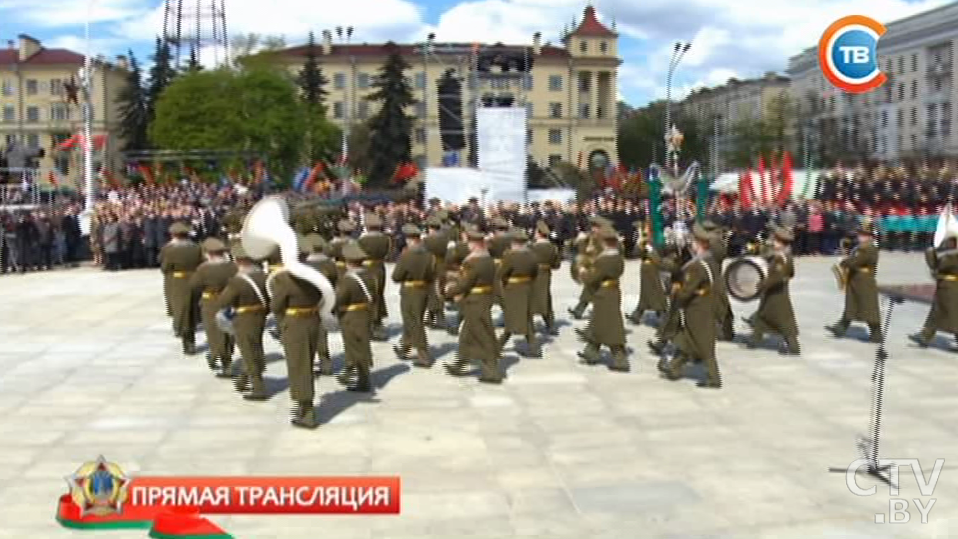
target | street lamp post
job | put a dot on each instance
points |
(678, 51)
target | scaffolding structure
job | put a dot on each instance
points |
(189, 26)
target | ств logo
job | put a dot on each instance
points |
(848, 54)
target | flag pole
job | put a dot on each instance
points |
(87, 148)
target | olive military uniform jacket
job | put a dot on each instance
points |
(294, 302)
(606, 326)
(249, 318)
(944, 310)
(178, 260)
(549, 259)
(477, 337)
(437, 243)
(355, 297)
(516, 273)
(651, 293)
(861, 290)
(377, 246)
(695, 297)
(775, 307)
(415, 271)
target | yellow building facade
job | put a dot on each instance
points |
(570, 93)
(36, 112)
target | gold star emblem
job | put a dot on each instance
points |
(99, 488)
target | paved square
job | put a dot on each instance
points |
(561, 450)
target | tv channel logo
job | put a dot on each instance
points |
(848, 54)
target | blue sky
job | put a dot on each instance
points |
(741, 38)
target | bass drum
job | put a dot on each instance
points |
(744, 276)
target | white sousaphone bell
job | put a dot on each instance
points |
(267, 226)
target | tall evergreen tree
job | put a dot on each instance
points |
(390, 142)
(161, 75)
(193, 64)
(134, 109)
(311, 79)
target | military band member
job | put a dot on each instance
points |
(318, 260)
(456, 253)
(377, 247)
(345, 229)
(651, 291)
(587, 247)
(723, 307)
(695, 297)
(605, 325)
(246, 295)
(775, 312)
(295, 302)
(437, 243)
(549, 260)
(943, 316)
(415, 273)
(477, 337)
(207, 282)
(516, 273)
(355, 298)
(670, 325)
(498, 245)
(178, 260)
(861, 290)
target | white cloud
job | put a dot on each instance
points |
(107, 47)
(71, 12)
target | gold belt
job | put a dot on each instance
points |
(414, 284)
(497, 261)
(274, 267)
(519, 280)
(210, 295)
(701, 291)
(481, 290)
(357, 307)
(865, 269)
(243, 309)
(545, 266)
(610, 283)
(180, 274)
(371, 262)
(340, 264)
(945, 277)
(646, 261)
(301, 311)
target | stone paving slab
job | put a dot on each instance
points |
(561, 450)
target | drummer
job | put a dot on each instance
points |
(775, 312)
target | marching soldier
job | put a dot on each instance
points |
(861, 290)
(415, 272)
(437, 243)
(377, 247)
(587, 247)
(317, 259)
(605, 326)
(345, 229)
(670, 325)
(246, 295)
(775, 311)
(477, 338)
(294, 302)
(498, 245)
(232, 222)
(651, 293)
(549, 259)
(943, 316)
(178, 260)
(456, 253)
(516, 273)
(695, 297)
(208, 281)
(723, 307)
(354, 302)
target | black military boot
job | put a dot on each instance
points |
(401, 351)
(303, 415)
(362, 384)
(324, 367)
(348, 375)
(874, 333)
(257, 390)
(211, 362)
(590, 356)
(226, 368)
(838, 329)
(657, 346)
(620, 360)
(920, 340)
(635, 317)
(422, 359)
(456, 368)
(578, 311)
(189, 345)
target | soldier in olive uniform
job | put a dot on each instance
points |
(246, 295)
(474, 288)
(695, 298)
(943, 316)
(498, 245)
(587, 247)
(861, 290)
(415, 272)
(294, 302)
(208, 281)
(318, 260)
(516, 273)
(232, 223)
(723, 307)
(549, 259)
(651, 292)
(178, 260)
(670, 325)
(605, 325)
(456, 253)
(437, 243)
(377, 247)
(355, 298)
(345, 228)
(775, 311)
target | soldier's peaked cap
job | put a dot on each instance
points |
(410, 229)
(475, 235)
(179, 228)
(239, 253)
(373, 221)
(543, 228)
(598, 220)
(345, 225)
(519, 235)
(699, 232)
(607, 233)
(784, 234)
(352, 251)
(214, 245)
(315, 242)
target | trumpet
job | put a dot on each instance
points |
(841, 276)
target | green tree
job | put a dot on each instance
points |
(193, 64)
(390, 141)
(253, 110)
(322, 136)
(161, 75)
(641, 136)
(134, 109)
(311, 79)
(768, 136)
(359, 141)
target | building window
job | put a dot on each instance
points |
(914, 141)
(420, 135)
(583, 46)
(62, 165)
(363, 111)
(884, 118)
(362, 80)
(913, 120)
(555, 83)
(33, 114)
(529, 137)
(420, 80)
(914, 89)
(938, 84)
(914, 63)
(555, 110)
(554, 160)
(527, 82)
(59, 112)
(56, 87)
(901, 65)
(339, 81)
(9, 114)
(32, 87)
(931, 127)
(888, 66)
(603, 47)
(901, 91)
(555, 136)
(6, 88)
(421, 162)
(585, 82)
(946, 119)
(420, 109)
(530, 111)
(33, 141)
(901, 118)
(338, 109)
(583, 110)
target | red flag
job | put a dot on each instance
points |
(52, 178)
(147, 174)
(108, 176)
(759, 192)
(745, 189)
(311, 179)
(788, 182)
(405, 172)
